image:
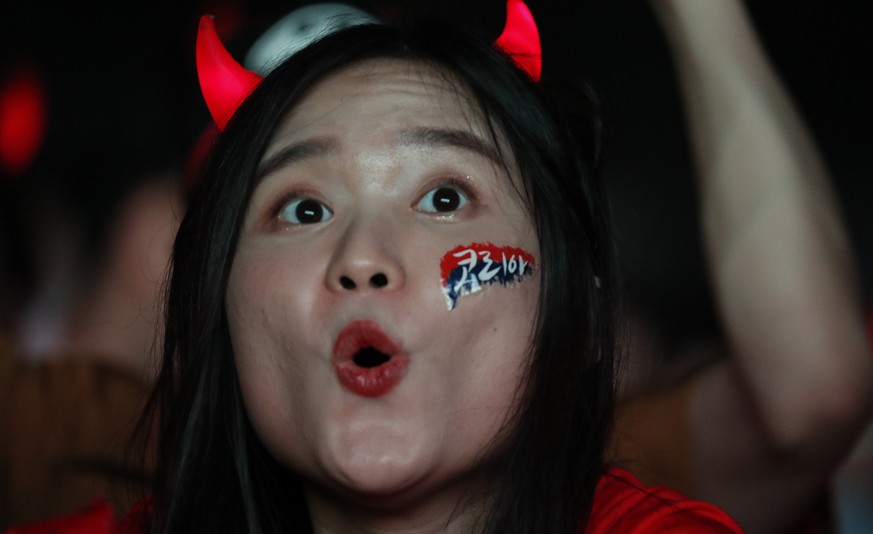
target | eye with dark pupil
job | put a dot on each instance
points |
(446, 199)
(308, 211)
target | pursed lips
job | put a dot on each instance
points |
(367, 361)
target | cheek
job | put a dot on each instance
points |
(490, 384)
(270, 291)
(253, 291)
(469, 269)
(262, 303)
(488, 344)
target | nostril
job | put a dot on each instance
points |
(347, 282)
(378, 280)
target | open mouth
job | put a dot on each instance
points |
(369, 357)
(367, 361)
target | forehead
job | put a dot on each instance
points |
(377, 95)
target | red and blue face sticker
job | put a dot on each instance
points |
(467, 268)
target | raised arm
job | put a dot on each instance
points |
(770, 423)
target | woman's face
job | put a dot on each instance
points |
(359, 370)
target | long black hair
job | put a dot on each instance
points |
(214, 474)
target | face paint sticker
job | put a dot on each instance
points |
(466, 268)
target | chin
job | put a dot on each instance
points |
(380, 464)
(397, 484)
(381, 478)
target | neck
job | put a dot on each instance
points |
(452, 510)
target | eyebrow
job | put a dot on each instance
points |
(446, 137)
(296, 152)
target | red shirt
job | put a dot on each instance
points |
(99, 518)
(622, 505)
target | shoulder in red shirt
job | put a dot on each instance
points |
(622, 503)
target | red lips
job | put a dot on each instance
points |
(368, 362)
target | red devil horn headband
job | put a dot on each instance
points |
(225, 83)
(521, 39)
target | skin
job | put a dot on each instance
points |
(415, 459)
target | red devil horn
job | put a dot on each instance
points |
(521, 39)
(223, 81)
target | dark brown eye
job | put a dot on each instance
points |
(442, 199)
(305, 211)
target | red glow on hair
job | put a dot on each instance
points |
(23, 105)
(521, 39)
(223, 81)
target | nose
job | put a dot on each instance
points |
(366, 259)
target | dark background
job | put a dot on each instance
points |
(124, 103)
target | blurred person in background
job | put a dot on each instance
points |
(759, 421)
(86, 235)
